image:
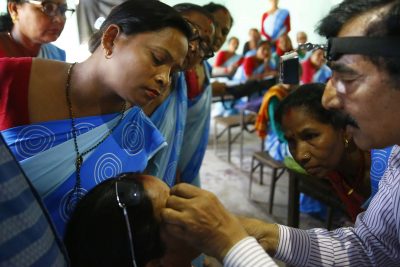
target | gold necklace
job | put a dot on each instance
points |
(80, 155)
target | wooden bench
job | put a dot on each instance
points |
(262, 158)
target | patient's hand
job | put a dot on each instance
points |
(199, 218)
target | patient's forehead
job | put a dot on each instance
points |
(158, 191)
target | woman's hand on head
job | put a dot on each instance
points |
(198, 217)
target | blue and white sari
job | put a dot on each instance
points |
(170, 119)
(47, 154)
(195, 138)
(50, 51)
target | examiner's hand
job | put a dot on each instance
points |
(267, 234)
(199, 218)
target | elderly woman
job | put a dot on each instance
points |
(29, 27)
(118, 223)
(319, 142)
(72, 126)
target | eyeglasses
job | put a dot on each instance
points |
(52, 9)
(303, 48)
(128, 194)
(204, 46)
(207, 49)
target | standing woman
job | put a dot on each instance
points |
(82, 123)
(29, 27)
(195, 138)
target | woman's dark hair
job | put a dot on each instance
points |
(6, 22)
(264, 42)
(309, 97)
(213, 7)
(97, 234)
(388, 25)
(189, 7)
(138, 16)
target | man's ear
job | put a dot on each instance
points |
(108, 39)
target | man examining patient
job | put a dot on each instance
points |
(365, 85)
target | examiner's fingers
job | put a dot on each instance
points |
(185, 190)
(171, 216)
(177, 203)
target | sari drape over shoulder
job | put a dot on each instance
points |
(47, 154)
(197, 128)
(170, 119)
(276, 24)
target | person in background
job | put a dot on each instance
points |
(283, 45)
(118, 223)
(83, 123)
(275, 22)
(301, 37)
(257, 67)
(29, 27)
(227, 61)
(314, 69)
(319, 142)
(252, 43)
(365, 87)
(195, 137)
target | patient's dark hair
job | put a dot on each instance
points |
(97, 234)
(138, 16)
(309, 97)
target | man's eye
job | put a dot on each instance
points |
(309, 136)
(157, 59)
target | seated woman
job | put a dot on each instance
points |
(319, 142)
(314, 68)
(227, 61)
(117, 223)
(251, 44)
(29, 27)
(257, 67)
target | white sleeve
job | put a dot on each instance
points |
(246, 253)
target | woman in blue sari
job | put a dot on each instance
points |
(82, 123)
(199, 93)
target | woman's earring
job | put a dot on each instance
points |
(307, 155)
(14, 18)
(346, 142)
(107, 53)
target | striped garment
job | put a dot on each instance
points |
(373, 241)
(26, 236)
(248, 253)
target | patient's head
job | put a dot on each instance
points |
(98, 232)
